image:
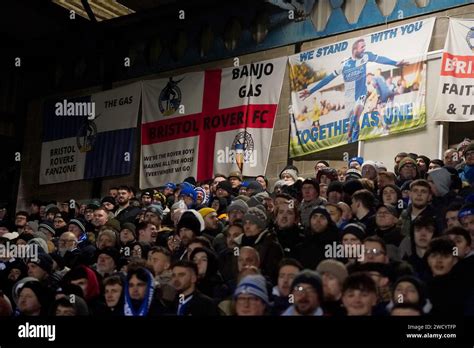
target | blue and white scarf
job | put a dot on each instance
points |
(145, 306)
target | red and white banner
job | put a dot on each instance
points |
(455, 102)
(208, 122)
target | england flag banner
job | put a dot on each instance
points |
(90, 136)
(208, 122)
(455, 101)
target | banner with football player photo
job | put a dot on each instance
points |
(208, 122)
(359, 89)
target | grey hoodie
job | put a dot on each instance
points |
(442, 180)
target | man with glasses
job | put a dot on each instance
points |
(306, 295)
(375, 250)
(251, 296)
(67, 254)
(408, 170)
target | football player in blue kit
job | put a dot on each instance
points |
(354, 73)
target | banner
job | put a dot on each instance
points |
(359, 89)
(455, 102)
(90, 136)
(208, 122)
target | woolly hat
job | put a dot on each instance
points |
(226, 186)
(79, 223)
(290, 172)
(279, 184)
(359, 160)
(235, 174)
(155, 209)
(335, 186)
(253, 285)
(354, 228)
(391, 209)
(206, 211)
(19, 285)
(352, 186)
(405, 161)
(320, 209)
(40, 290)
(44, 261)
(257, 216)
(109, 199)
(47, 226)
(353, 173)
(192, 220)
(369, 163)
(441, 179)
(336, 268)
(33, 224)
(112, 252)
(307, 276)
(313, 182)
(469, 147)
(188, 191)
(43, 245)
(255, 186)
(239, 205)
(131, 227)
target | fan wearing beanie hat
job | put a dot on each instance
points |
(307, 291)
(224, 190)
(333, 274)
(108, 203)
(190, 225)
(289, 176)
(40, 267)
(408, 170)
(188, 194)
(251, 296)
(369, 170)
(237, 210)
(34, 299)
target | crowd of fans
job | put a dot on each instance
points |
(354, 241)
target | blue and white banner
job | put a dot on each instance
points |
(90, 136)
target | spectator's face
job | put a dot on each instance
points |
(83, 283)
(323, 179)
(262, 182)
(379, 279)
(193, 246)
(235, 215)
(332, 288)
(146, 200)
(201, 260)
(389, 196)
(136, 288)
(123, 197)
(112, 294)
(306, 298)
(105, 241)
(451, 218)
(36, 271)
(461, 243)
(59, 222)
(251, 229)
(221, 193)
(211, 221)
(309, 192)
(469, 157)
(249, 305)
(105, 264)
(398, 159)
(183, 279)
(62, 311)
(89, 214)
(113, 192)
(34, 209)
(335, 213)
(451, 158)
(149, 234)
(423, 237)
(159, 262)
(234, 181)
(369, 172)
(441, 264)
(186, 235)
(359, 302)
(286, 217)
(20, 221)
(318, 223)
(215, 182)
(408, 171)
(420, 196)
(247, 258)
(287, 178)
(384, 219)
(406, 292)
(355, 205)
(234, 232)
(100, 218)
(374, 253)
(28, 303)
(334, 197)
(14, 274)
(421, 164)
(126, 236)
(152, 218)
(75, 229)
(354, 165)
(67, 241)
(108, 206)
(468, 223)
(286, 275)
(206, 189)
(319, 166)
(433, 166)
(323, 190)
(350, 239)
(359, 50)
